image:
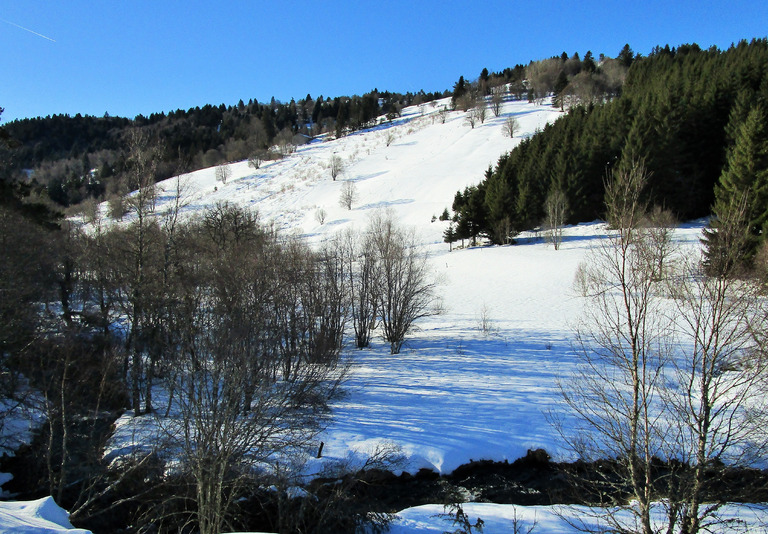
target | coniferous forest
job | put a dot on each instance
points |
(679, 110)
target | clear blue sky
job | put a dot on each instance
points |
(129, 57)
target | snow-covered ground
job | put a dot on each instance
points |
(42, 516)
(508, 518)
(457, 392)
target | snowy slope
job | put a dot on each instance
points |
(456, 392)
(413, 166)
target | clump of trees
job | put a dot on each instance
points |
(240, 327)
(390, 282)
(669, 396)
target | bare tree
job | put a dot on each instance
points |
(336, 166)
(556, 208)
(361, 284)
(659, 227)
(511, 125)
(477, 113)
(622, 346)
(320, 215)
(258, 362)
(405, 286)
(348, 194)
(677, 385)
(285, 142)
(541, 76)
(717, 390)
(482, 109)
(25, 281)
(256, 159)
(623, 196)
(223, 172)
(471, 117)
(138, 250)
(497, 99)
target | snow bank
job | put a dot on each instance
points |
(42, 516)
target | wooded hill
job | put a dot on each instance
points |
(70, 159)
(679, 111)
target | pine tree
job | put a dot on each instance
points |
(449, 236)
(743, 186)
(459, 90)
(560, 85)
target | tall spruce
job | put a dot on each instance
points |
(743, 186)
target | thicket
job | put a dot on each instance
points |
(679, 111)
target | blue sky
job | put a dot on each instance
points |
(132, 57)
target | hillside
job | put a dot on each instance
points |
(496, 385)
(481, 380)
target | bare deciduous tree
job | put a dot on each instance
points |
(511, 125)
(256, 159)
(405, 286)
(677, 384)
(497, 99)
(348, 194)
(556, 209)
(320, 215)
(336, 166)
(622, 346)
(659, 226)
(476, 113)
(259, 325)
(361, 284)
(223, 172)
(137, 254)
(623, 196)
(717, 391)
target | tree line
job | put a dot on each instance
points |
(68, 159)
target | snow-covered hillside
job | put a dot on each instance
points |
(413, 165)
(476, 382)
(457, 392)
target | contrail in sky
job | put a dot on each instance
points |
(27, 29)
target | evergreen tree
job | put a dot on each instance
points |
(459, 90)
(560, 84)
(449, 236)
(626, 56)
(743, 186)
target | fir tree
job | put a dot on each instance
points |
(743, 187)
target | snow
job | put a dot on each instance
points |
(42, 516)
(502, 518)
(454, 393)
(457, 392)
